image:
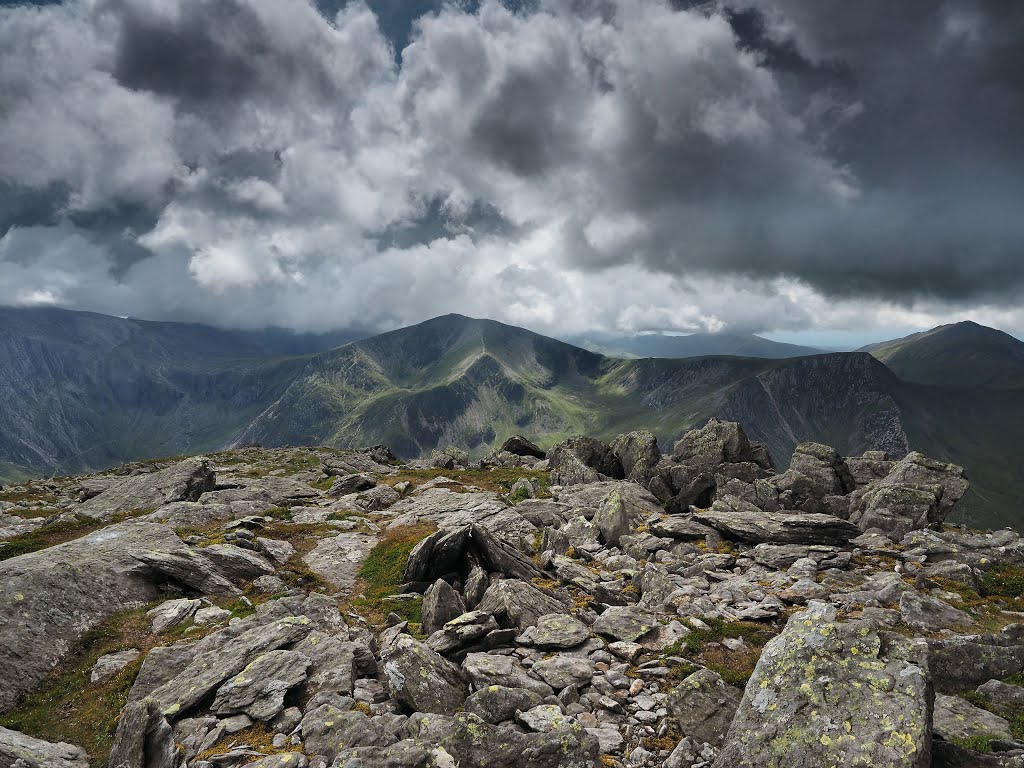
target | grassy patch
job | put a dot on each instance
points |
(383, 572)
(28, 494)
(1003, 580)
(48, 535)
(735, 667)
(258, 736)
(68, 707)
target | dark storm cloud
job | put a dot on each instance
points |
(634, 164)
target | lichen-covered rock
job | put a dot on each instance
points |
(556, 631)
(917, 492)
(955, 719)
(208, 670)
(421, 679)
(328, 730)
(625, 623)
(110, 664)
(28, 752)
(963, 662)
(144, 738)
(827, 693)
(496, 703)
(611, 519)
(638, 453)
(560, 671)
(486, 670)
(703, 706)
(260, 688)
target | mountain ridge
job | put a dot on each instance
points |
(77, 399)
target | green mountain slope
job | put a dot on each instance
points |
(694, 345)
(81, 391)
(959, 355)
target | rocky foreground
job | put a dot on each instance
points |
(597, 605)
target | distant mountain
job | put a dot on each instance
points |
(81, 391)
(958, 355)
(693, 345)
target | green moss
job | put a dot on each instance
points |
(47, 536)
(1003, 580)
(383, 572)
(735, 667)
(978, 743)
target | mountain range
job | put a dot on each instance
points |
(80, 391)
(691, 345)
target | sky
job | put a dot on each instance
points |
(809, 169)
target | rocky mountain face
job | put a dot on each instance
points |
(81, 392)
(595, 604)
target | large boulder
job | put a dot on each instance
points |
(441, 604)
(965, 661)
(583, 460)
(516, 603)
(917, 493)
(703, 706)
(421, 679)
(520, 446)
(741, 520)
(185, 481)
(638, 453)
(832, 693)
(612, 519)
(28, 752)
(260, 688)
(50, 598)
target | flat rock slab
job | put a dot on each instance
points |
(339, 558)
(27, 752)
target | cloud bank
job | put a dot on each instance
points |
(568, 165)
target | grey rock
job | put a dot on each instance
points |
(581, 460)
(185, 481)
(473, 742)
(555, 631)
(339, 558)
(520, 446)
(703, 706)
(283, 760)
(211, 615)
(917, 492)
(561, 671)
(260, 688)
(327, 730)
(830, 693)
(966, 661)
(110, 664)
(48, 599)
(515, 603)
(638, 453)
(441, 604)
(495, 703)
(682, 527)
(611, 519)
(625, 623)
(333, 661)
(421, 679)
(462, 631)
(929, 613)
(955, 718)
(172, 613)
(144, 739)
(743, 521)
(353, 483)
(543, 718)
(487, 670)
(1002, 697)
(279, 551)
(187, 567)
(236, 564)
(209, 669)
(27, 752)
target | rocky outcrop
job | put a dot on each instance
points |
(20, 751)
(583, 460)
(185, 481)
(595, 626)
